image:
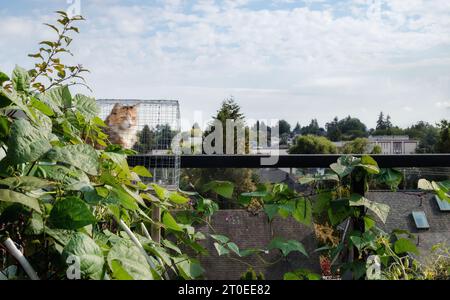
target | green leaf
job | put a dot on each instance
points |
(86, 106)
(369, 164)
(250, 251)
(4, 128)
(287, 247)
(71, 213)
(441, 189)
(221, 250)
(57, 98)
(233, 247)
(119, 272)
(170, 222)
(344, 165)
(159, 252)
(61, 236)
(271, 210)
(120, 160)
(89, 254)
(142, 171)
(27, 143)
(126, 260)
(207, 206)
(41, 106)
(380, 209)
(82, 156)
(11, 196)
(368, 223)
(177, 198)
(322, 202)
(26, 183)
(68, 176)
(404, 245)
(35, 225)
(187, 267)
(20, 79)
(391, 177)
(3, 78)
(171, 245)
(118, 196)
(286, 209)
(161, 192)
(52, 26)
(336, 216)
(99, 122)
(222, 188)
(221, 238)
(301, 274)
(367, 239)
(303, 211)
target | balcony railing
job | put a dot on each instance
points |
(291, 161)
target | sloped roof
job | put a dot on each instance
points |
(402, 205)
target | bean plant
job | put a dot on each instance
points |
(68, 199)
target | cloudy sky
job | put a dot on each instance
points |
(288, 59)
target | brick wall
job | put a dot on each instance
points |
(254, 231)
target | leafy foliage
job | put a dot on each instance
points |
(311, 144)
(67, 201)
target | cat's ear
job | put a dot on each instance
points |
(137, 105)
(117, 106)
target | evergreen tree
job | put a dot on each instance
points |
(443, 144)
(146, 140)
(230, 110)
(313, 128)
(163, 136)
(243, 179)
(297, 129)
(388, 124)
(381, 124)
(284, 127)
(333, 131)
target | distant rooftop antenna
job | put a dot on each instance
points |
(158, 122)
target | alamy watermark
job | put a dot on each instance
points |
(229, 137)
(74, 8)
(73, 271)
(373, 267)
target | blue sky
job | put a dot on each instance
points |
(280, 59)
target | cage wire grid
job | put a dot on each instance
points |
(158, 121)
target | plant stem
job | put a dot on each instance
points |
(31, 168)
(137, 243)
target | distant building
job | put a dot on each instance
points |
(394, 144)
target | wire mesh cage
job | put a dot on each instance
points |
(148, 127)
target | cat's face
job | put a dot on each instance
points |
(124, 117)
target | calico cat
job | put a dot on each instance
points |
(122, 125)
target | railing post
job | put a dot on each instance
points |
(358, 186)
(155, 230)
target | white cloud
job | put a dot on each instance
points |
(445, 104)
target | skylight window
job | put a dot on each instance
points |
(420, 219)
(443, 205)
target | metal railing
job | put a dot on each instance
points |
(292, 161)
